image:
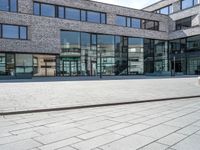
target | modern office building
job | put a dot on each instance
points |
(86, 38)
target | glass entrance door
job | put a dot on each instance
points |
(70, 68)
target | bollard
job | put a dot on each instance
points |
(199, 80)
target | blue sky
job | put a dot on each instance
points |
(138, 4)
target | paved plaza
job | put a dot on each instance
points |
(167, 125)
(37, 94)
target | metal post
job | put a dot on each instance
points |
(174, 65)
(100, 64)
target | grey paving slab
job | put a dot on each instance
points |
(190, 143)
(172, 139)
(155, 146)
(42, 95)
(20, 145)
(132, 142)
(97, 141)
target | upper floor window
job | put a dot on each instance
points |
(13, 32)
(50, 10)
(188, 3)
(72, 13)
(121, 21)
(165, 10)
(184, 23)
(9, 5)
(137, 23)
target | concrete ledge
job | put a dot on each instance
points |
(93, 106)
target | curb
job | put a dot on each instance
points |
(94, 106)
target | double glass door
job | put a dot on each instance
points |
(70, 68)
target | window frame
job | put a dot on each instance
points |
(9, 5)
(19, 31)
(193, 4)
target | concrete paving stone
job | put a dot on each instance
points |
(119, 126)
(58, 128)
(139, 120)
(15, 127)
(20, 145)
(172, 139)
(6, 123)
(98, 125)
(97, 141)
(92, 120)
(93, 134)
(32, 129)
(67, 148)
(132, 142)
(156, 121)
(125, 118)
(154, 146)
(159, 131)
(132, 129)
(14, 138)
(190, 143)
(189, 130)
(58, 136)
(197, 123)
(60, 144)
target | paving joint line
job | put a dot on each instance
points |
(95, 105)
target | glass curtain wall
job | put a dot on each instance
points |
(135, 56)
(106, 54)
(161, 56)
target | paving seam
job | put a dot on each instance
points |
(94, 106)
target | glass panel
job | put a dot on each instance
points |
(44, 65)
(196, 2)
(161, 56)
(10, 64)
(24, 63)
(135, 56)
(13, 5)
(23, 33)
(171, 9)
(2, 64)
(193, 43)
(121, 21)
(136, 23)
(71, 13)
(61, 12)
(106, 52)
(164, 10)
(70, 41)
(183, 23)
(103, 18)
(36, 8)
(93, 17)
(4, 5)
(128, 22)
(47, 10)
(10, 31)
(83, 15)
(186, 4)
(150, 25)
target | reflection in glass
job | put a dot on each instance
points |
(47, 10)
(71, 13)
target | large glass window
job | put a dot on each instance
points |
(70, 41)
(187, 4)
(121, 21)
(136, 23)
(184, 23)
(24, 63)
(135, 56)
(193, 43)
(8, 5)
(73, 14)
(10, 31)
(93, 17)
(106, 54)
(13, 32)
(165, 10)
(48, 10)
